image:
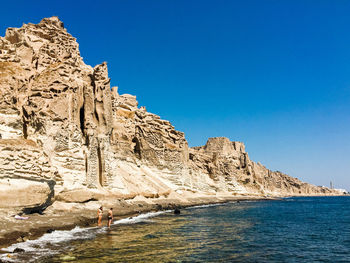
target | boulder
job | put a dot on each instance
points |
(77, 196)
(18, 250)
(20, 193)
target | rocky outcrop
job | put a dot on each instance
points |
(227, 162)
(138, 133)
(26, 176)
(67, 135)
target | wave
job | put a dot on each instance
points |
(139, 218)
(204, 206)
(49, 243)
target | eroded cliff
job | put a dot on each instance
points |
(67, 135)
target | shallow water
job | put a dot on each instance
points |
(313, 229)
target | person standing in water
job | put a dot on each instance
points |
(99, 216)
(110, 217)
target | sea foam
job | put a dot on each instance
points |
(46, 244)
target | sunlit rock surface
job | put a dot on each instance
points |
(67, 135)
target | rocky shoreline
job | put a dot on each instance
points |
(15, 231)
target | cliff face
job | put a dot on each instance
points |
(63, 128)
(227, 161)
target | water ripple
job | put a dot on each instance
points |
(293, 230)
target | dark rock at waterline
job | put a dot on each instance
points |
(18, 250)
(149, 236)
(50, 230)
(177, 211)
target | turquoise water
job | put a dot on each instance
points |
(313, 229)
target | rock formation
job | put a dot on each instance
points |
(67, 135)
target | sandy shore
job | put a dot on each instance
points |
(65, 216)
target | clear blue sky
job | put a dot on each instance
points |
(273, 74)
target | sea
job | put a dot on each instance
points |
(297, 229)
